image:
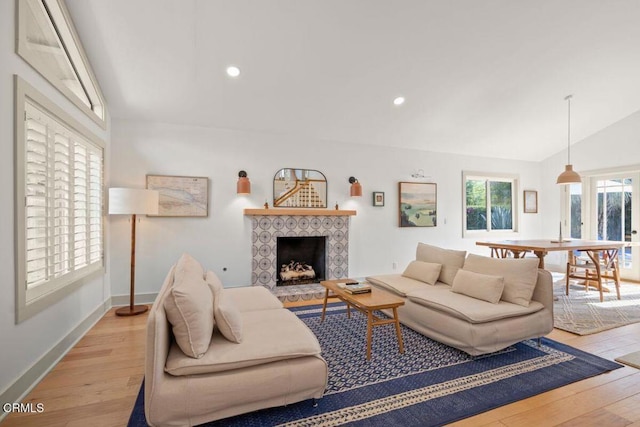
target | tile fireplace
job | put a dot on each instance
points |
(269, 225)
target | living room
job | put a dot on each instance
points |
(144, 136)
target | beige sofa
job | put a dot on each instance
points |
(213, 353)
(476, 304)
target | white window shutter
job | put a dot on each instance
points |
(63, 201)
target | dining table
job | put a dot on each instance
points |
(541, 247)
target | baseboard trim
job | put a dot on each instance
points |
(121, 300)
(17, 391)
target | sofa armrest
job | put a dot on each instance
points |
(158, 342)
(543, 291)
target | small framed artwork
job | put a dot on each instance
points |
(378, 198)
(530, 201)
(181, 195)
(418, 204)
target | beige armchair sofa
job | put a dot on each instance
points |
(196, 373)
(476, 304)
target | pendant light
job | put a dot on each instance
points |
(569, 176)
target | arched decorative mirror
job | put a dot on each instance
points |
(299, 188)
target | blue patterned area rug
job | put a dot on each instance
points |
(430, 384)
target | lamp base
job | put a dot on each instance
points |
(132, 311)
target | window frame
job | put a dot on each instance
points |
(491, 176)
(32, 301)
(60, 20)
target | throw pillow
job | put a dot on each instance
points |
(427, 272)
(451, 260)
(480, 286)
(189, 308)
(520, 275)
(227, 316)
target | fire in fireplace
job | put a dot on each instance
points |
(300, 260)
(297, 270)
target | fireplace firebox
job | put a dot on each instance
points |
(300, 260)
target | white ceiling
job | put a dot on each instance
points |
(481, 77)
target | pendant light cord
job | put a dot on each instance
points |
(568, 99)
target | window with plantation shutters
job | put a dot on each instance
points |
(61, 182)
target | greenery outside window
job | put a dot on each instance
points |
(59, 202)
(489, 202)
(576, 210)
(47, 40)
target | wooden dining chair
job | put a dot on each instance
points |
(507, 253)
(596, 267)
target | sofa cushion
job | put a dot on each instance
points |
(451, 260)
(396, 283)
(189, 307)
(520, 275)
(427, 272)
(269, 335)
(226, 314)
(470, 309)
(481, 286)
(251, 298)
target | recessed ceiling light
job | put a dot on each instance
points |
(399, 100)
(233, 71)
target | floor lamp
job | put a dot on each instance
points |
(131, 201)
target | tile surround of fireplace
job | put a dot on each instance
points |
(267, 228)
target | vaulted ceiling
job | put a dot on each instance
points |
(480, 77)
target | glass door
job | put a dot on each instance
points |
(615, 216)
(575, 211)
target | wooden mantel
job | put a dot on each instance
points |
(299, 212)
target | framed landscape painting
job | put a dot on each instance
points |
(418, 204)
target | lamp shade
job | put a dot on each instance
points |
(133, 201)
(356, 187)
(569, 176)
(244, 185)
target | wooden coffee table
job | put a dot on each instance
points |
(366, 303)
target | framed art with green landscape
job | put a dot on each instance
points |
(417, 204)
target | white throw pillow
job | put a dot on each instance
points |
(480, 286)
(427, 272)
(227, 315)
(451, 260)
(520, 275)
(189, 308)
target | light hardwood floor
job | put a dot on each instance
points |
(97, 382)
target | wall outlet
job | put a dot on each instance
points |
(394, 265)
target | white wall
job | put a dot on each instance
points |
(615, 146)
(224, 238)
(23, 345)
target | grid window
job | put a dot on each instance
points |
(489, 203)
